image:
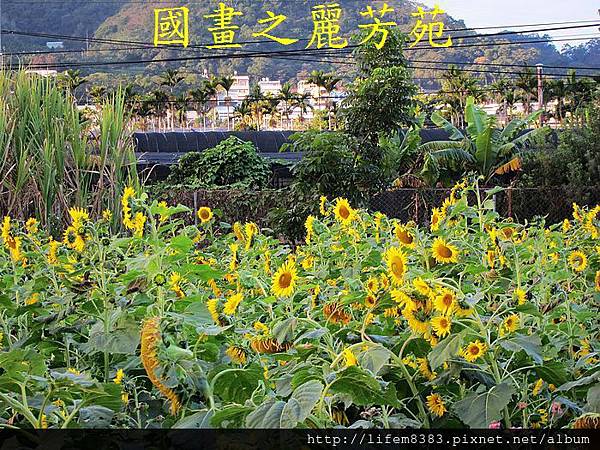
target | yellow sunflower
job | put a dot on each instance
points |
(205, 214)
(520, 295)
(509, 324)
(436, 405)
(236, 354)
(436, 218)
(373, 284)
(441, 325)
(396, 264)
(404, 236)
(474, 350)
(232, 303)
(284, 280)
(445, 302)
(421, 286)
(370, 300)
(444, 252)
(424, 369)
(578, 261)
(343, 211)
(349, 358)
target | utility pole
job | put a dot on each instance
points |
(540, 74)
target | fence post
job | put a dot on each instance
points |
(509, 200)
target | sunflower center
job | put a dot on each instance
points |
(447, 300)
(398, 267)
(577, 260)
(443, 323)
(204, 215)
(344, 213)
(474, 350)
(405, 238)
(444, 251)
(285, 279)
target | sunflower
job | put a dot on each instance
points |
(445, 302)
(425, 370)
(205, 214)
(441, 325)
(405, 236)
(463, 309)
(418, 318)
(370, 300)
(239, 232)
(32, 225)
(537, 387)
(520, 295)
(236, 354)
(373, 285)
(212, 306)
(421, 286)
(309, 225)
(578, 261)
(73, 239)
(267, 345)
(284, 280)
(436, 405)
(401, 297)
(436, 218)
(349, 358)
(509, 324)
(396, 264)
(335, 313)
(587, 421)
(597, 280)
(322, 209)
(343, 211)
(566, 225)
(444, 252)
(474, 351)
(232, 303)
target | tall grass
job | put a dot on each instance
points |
(52, 158)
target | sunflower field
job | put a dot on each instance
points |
(474, 322)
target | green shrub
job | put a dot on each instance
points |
(232, 163)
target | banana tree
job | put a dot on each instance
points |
(482, 148)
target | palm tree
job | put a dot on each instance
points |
(160, 104)
(557, 90)
(70, 80)
(457, 86)
(171, 79)
(302, 102)
(287, 97)
(330, 84)
(318, 78)
(484, 148)
(256, 99)
(226, 83)
(97, 94)
(201, 97)
(527, 84)
(243, 112)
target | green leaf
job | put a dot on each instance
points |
(232, 416)
(237, 385)
(122, 340)
(284, 331)
(307, 396)
(445, 350)
(532, 345)
(363, 388)
(182, 243)
(201, 419)
(202, 271)
(267, 415)
(593, 399)
(553, 372)
(580, 382)
(374, 359)
(95, 417)
(479, 410)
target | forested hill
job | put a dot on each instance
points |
(132, 21)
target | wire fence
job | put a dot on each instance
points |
(405, 204)
(554, 203)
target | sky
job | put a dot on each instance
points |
(483, 13)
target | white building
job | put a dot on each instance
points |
(272, 87)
